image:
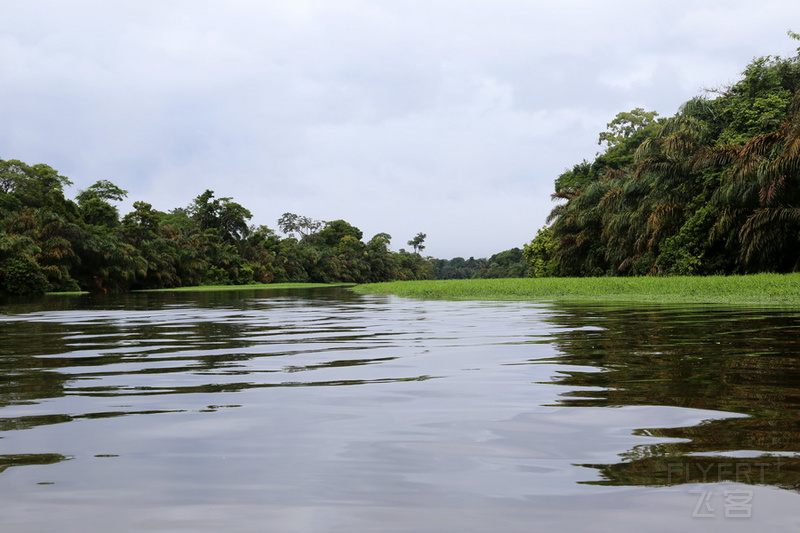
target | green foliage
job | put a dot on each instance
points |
(50, 243)
(333, 232)
(760, 289)
(36, 186)
(571, 182)
(94, 205)
(300, 227)
(506, 264)
(457, 268)
(104, 190)
(417, 241)
(9, 204)
(99, 213)
(713, 189)
(227, 217)
(411, 266)
(690, 251)
(758, 103)
(141, 224)
(22, 276)
(625, 135)
(108, 264)
(625, 125)
(539, 253)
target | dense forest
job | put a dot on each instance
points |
(714, 189)
(51, 243)
(506, 264)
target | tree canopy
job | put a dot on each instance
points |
(714, 189)
(51, 243)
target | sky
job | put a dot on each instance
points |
(448, 117)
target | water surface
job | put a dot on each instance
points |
(322, 410)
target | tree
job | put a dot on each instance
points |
(259, 251)
(336, 230)
(539, 254)
(417, 241)
(227, 217)
(382, 265)
(141, 224)
(297, 226)
(103, 189)
(625, 125)
(56, 240)
(577, 227)
(94, 205)
(571, 182)
(21, 276)
(107, 262)
(757, 103)
(411, 266)
(35, 186)
(713, 189)
(767, 170)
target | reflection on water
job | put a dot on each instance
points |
(7, 461)
(321, 410)
(738, 360)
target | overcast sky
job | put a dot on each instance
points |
(448, 117)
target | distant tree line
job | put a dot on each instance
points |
(714, 189)
(507, 264)
(51, 243)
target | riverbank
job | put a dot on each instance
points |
(258, 286)
(782, 289)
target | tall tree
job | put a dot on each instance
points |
(336, 230)
(300, 227)
(94, 203)
(767, 171)
(417, 242)
(224, 215)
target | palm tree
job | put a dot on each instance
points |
(577, 226)
(665, 167)
(767, 173)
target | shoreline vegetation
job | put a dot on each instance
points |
(711, 190)
(757, 289)
(252, 286)
(212, 288)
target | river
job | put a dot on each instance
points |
(323, 410)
